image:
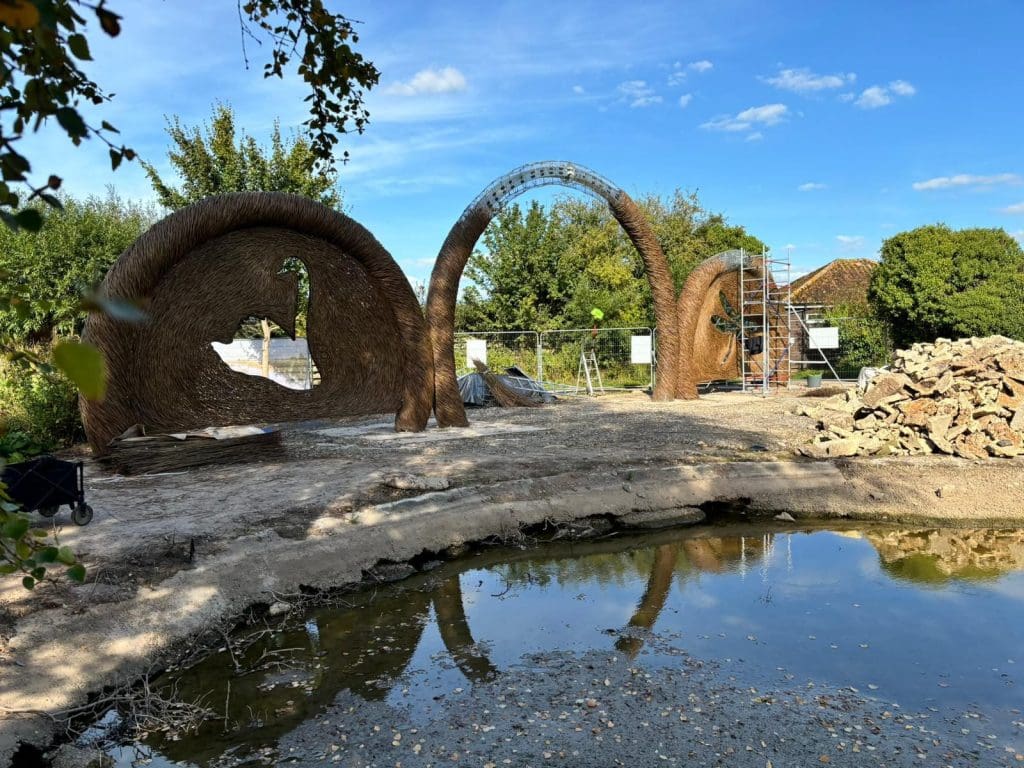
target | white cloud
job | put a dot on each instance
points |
(447, 80)
(967, 180)
(701, 66)
(638, 93)
(677, 76)
(847, 96)
(902, 88)
(578, 89)
(804, 81)
(1018, 235)
(879, 96)
(768, 114)
(684, 100)
(789, 247)
(873, 97)
(1015, 208)
(755, 136)
(850, 242)
(811, 186)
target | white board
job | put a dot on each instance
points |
(823, 338)
(640, 350)
(476, 349)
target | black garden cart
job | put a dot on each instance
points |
(45, 483)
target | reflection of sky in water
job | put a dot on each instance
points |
(881, 615)
(812, 605)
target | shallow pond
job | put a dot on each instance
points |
(919, 620)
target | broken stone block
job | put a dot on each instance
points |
(884, 386)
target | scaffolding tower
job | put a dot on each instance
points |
(766, 321)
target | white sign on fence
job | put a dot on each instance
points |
(476, 349)
(640, 350)
(823, 338)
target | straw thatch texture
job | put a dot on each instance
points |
(444, 287)
(503, 394)
(706, 353)
(202, 270)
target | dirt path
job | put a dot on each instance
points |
(325, 514)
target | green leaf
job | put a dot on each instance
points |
(79, 47)
(77, 573)
(29, 219)
(115, 308)
(15, 528)
(115, 159)
(47, 555)
(109, 22)
(7, 568)
(84, 365)
(28, 582)
(71, 122)
(66, 556)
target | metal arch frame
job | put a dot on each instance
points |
(545, 173)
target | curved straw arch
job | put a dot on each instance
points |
(205, 268)
(457, 247)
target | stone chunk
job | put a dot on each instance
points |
(884, 386)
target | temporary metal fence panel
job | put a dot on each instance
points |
(498, 350)
(847, 343)
(589, 360)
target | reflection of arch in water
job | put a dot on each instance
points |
(458, 246)
(659, 584)
(450, 612)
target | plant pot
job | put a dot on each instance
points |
(814, 381)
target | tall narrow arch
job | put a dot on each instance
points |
(458, 246)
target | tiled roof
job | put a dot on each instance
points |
(843, 281)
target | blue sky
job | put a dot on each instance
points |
(822, 127)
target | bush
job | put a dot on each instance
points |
(41, 406)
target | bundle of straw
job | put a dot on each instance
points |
(506, 396)
(135, 453)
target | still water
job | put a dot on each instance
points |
(919, 619)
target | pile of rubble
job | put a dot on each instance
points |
(963, 398)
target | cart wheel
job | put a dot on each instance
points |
(82, 514)
(48, 511)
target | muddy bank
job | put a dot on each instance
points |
(172, 555)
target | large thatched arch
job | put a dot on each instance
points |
(457, 247)
(203, 269)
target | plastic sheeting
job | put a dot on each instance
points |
(474, 389)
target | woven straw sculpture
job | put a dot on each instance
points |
(204, 269)
(458, 246)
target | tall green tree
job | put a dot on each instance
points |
(548, 268)
(63, 263)
(935, 281)
(216, 158)
(516, 281)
